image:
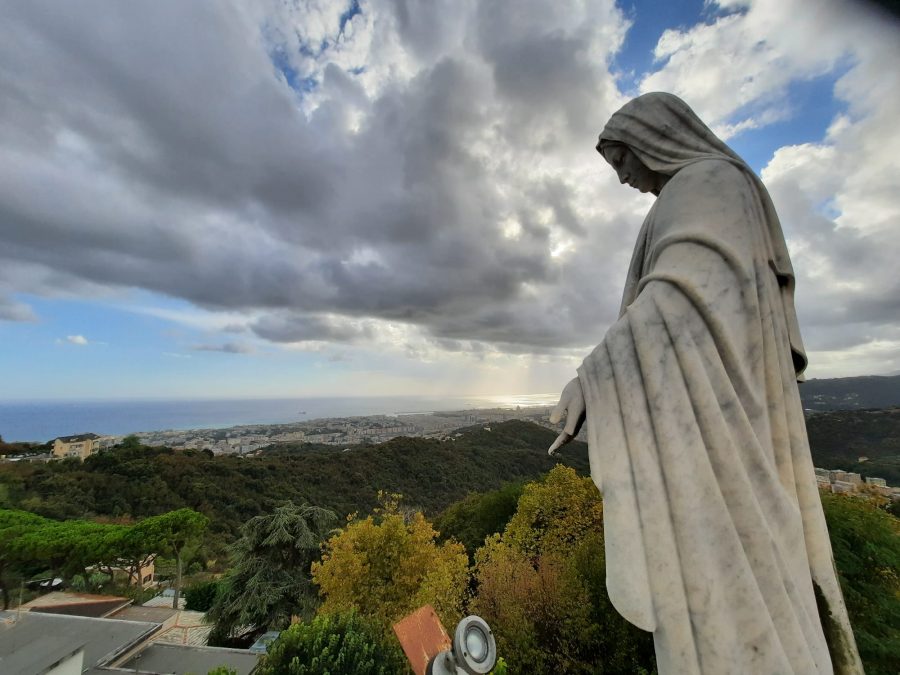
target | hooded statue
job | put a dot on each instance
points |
(715, 536)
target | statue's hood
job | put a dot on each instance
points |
(667, 136)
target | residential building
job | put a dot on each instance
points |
(79, 446)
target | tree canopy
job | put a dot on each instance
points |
(66, 548)
(269, 577)
(334, 644)
(540, 585)
(138, 482)
(389, 564)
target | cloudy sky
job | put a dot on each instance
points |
(313, 197)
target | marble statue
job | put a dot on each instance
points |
(715, 537)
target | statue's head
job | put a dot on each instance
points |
(630, 168)
(658, 134)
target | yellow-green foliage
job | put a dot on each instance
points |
(555, 514)
(538, 609)
(388, 565)
(540, 585)
(866, 544)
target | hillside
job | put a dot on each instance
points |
(146, 481)
(839, 438)
(431, 474)
(851, 393)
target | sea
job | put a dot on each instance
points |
(40, 421)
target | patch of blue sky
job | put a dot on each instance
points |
(811, 105)
(292, 76)
(130, 353)
(811, 109)
(635, 58)
(353, 10)
(281, 58)
(39, 356)
(101, 323)
(310, 51)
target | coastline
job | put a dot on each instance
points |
(42, 421)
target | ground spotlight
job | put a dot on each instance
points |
(473, 651)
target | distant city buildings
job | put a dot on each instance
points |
(246, 440)
(338, 431)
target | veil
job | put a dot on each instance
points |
(667, 136)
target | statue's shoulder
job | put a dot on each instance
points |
(707, 196)
(713, 177)
(706, 168)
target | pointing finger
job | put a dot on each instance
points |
(560, 441)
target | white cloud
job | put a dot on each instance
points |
(837, 197)
(76, 340)
(735, 71)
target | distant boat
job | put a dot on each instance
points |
(302, 412)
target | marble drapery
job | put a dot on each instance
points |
(715, 536)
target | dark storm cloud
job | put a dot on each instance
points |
(10, 310)
(143, 152)
(302, 328)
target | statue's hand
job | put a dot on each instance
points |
(571, 403)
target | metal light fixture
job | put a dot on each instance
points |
(473, 651)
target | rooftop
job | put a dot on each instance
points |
(77, 604)
(161, 615)
(180, 659)
(187, 628)
(78, 437)
(44, 654)
(26, 638)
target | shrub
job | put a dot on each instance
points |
(200, 596)
(333, 644)
(478, 516)
(866, 545)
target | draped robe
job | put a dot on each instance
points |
(715, 536)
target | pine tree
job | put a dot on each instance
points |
(269, 578)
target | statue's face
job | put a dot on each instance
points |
(630, 169)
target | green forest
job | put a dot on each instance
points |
(348, 542)
(838, 440)
(138, 482)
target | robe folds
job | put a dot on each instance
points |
(715, 536)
